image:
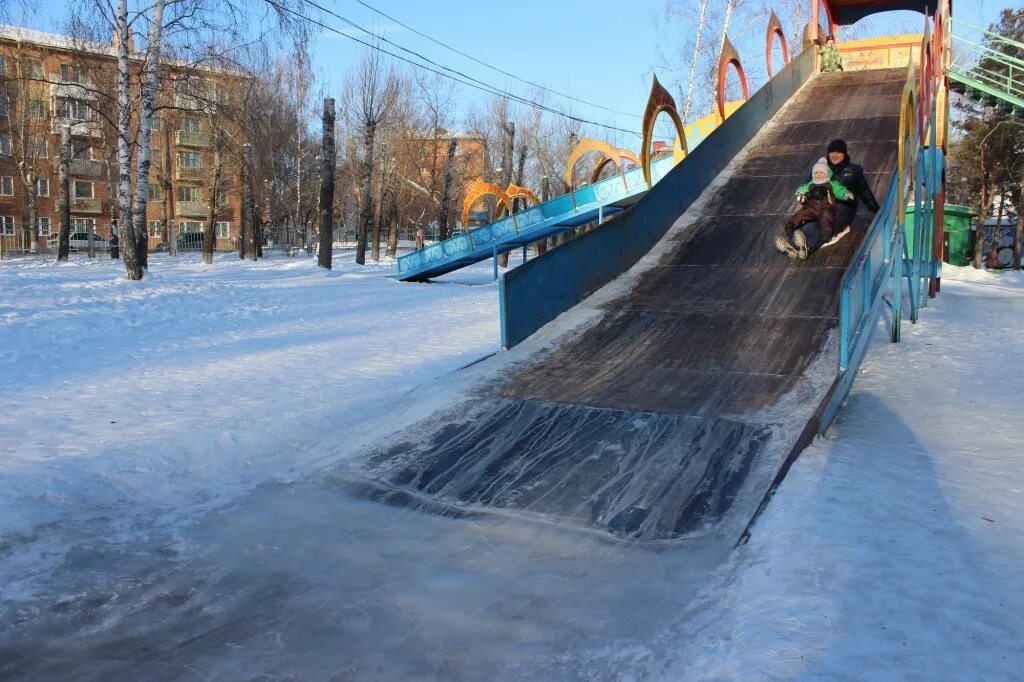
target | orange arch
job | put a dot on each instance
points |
(607, 153)
(479, 189)
(514, 192)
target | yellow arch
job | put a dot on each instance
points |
(587, 145)
(479, 189)
(660, 101)
(514, 192)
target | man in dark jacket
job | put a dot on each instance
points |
(850, 176)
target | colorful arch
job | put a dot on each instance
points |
(608, 153)
(514, 192)
(660, 101)
(775, 29)
(479, 189)
(729, 56)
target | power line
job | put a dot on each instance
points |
(495, 68)
(490, 88)
(478, 85)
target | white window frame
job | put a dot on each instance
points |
(189, 188)
(6, 185)
(83, 225)
(42, 109)
(223, 229)
(33, 73)
(7, 225)
(191, 156)
(42, 151)
(184, 226)
(42, 187)
(92, 189)
(71, 73)
(40, 229)
(190, 124)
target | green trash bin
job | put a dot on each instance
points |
(956, 225)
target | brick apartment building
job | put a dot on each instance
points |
(48, 82)
(423, 159)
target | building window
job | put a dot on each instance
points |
(5, 144)
(7, 186)
(190, 160)
(155, 228)
(70, 73)
(39, 148)
(42, 187)
(83, 189)
(43, 226)
(81, 152)
(221, 198)
(156, 192)
(188, 194)
(85, 225)
(36, 109)
(223, 230)
(5, 106)
(7, 225)
(3, 64)
(158, 124)
(156, 157)
(190, 124)
(74, 109)
(34, 69)
(187, 226)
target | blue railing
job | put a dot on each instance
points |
(884, 255)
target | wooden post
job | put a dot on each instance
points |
(327, 156)
(64, 197)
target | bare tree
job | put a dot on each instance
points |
(327, 166)
(374, 89)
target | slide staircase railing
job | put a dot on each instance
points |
(988, 67)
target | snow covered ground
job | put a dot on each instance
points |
(191, 523)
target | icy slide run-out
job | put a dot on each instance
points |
(670, 418)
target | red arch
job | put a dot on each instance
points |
(775, 29)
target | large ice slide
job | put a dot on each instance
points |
(670, 418)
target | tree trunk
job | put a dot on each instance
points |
(542, 245)
(392, 222)
(993, 249)
(249, 219)
(979, 235)
(33, 217)
(64, 195)
(210, 236)
(446, 194)
(507, 156)
(366, 210)
(1019, 233)
(379, 215)
(327, 162)
(129, 239)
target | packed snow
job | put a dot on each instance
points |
(173, 502)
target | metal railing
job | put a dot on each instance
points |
(983, 63)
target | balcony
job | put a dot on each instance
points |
(192, 209)
(188, 173)
(86, 205)
(86, 167)
(86, 90)
(192, 138)
(92, 129)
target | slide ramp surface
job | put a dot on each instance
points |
(670, 418)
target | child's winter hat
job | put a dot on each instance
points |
(821, 165)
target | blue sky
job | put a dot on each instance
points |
(602, 51)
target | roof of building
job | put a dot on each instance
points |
(28, 35)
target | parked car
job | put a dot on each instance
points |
(79, 241)
(190, 241)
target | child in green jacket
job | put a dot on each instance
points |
(819, 205)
